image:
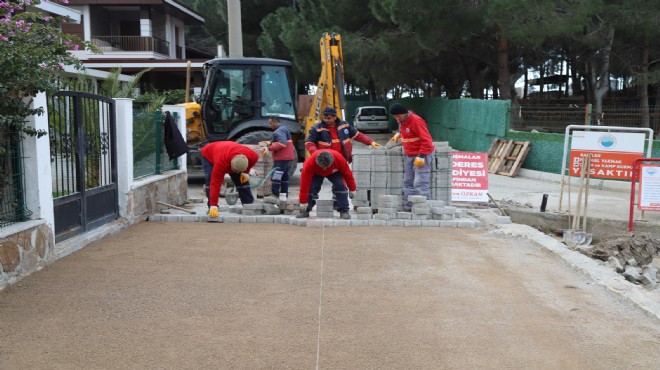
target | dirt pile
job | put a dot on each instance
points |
(631, 255)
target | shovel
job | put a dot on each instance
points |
(575, 236)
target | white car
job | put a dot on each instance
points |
(371, 118)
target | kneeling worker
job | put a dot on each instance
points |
(320, 165)
(227, 157)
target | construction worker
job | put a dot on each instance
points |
(333, 133)
(227, 157)
(418, 148)
(281, 148)
(320, 165)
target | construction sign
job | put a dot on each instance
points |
(469, 177)
(649, 187)
(612, 153)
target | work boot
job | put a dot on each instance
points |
(344, 215)
(303, 214)
(283, 197)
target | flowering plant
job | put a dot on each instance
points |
(33, 53)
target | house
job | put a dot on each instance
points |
(139, 34)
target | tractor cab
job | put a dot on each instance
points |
(240, 94)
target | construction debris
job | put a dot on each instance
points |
(636, 257)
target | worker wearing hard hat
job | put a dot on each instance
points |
(320, 165)
(418, 148)
(227, 157)
(333, 133)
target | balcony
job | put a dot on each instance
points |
(131, 43)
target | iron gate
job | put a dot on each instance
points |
(83, 160)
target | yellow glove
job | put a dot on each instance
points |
(374, 144)
(264, 151)
(244, 177)
(395, 137)
(213, 212)
(419, 162)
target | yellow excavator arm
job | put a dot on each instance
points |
(330, 89)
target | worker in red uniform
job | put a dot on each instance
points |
(282, 150)
(227, 157)
(418, 148)
(320, 165)
(333, 133)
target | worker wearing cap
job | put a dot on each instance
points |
(418, 148)
(333, 133)
(320, 165)
(227, 157)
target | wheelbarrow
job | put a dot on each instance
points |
(231, 194)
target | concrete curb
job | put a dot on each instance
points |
(604, 276)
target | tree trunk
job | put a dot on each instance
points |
(643, 87)
(503, 77)
(598, 75)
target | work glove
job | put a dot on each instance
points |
(264, 143)
(419, 161)
(374, 144)
(213, 212)
(253, 172)
(303, 207)
(351, 194)
(395, 137)
(244, 177)
(264, 151)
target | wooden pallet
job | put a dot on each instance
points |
(505, 157)
(496, 154)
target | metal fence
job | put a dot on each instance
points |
(12, 180)
(149, 154)
(555, 118)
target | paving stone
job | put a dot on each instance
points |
(396, 222)
(340, 222)
(360, 210)
(265, 219)
(325, 214)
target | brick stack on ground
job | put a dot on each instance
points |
(379, 172)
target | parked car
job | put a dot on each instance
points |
(371, 118)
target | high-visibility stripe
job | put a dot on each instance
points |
(409, 140)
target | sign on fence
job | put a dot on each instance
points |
(612, 153)
(469, 177)
(649, 187)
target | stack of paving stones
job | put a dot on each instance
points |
(290, 207)
(324, 208)
(272, 205)
(380, 172)
(441, 172)
(262, 167)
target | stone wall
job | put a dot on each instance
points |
(24, 248)
(167, 188)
